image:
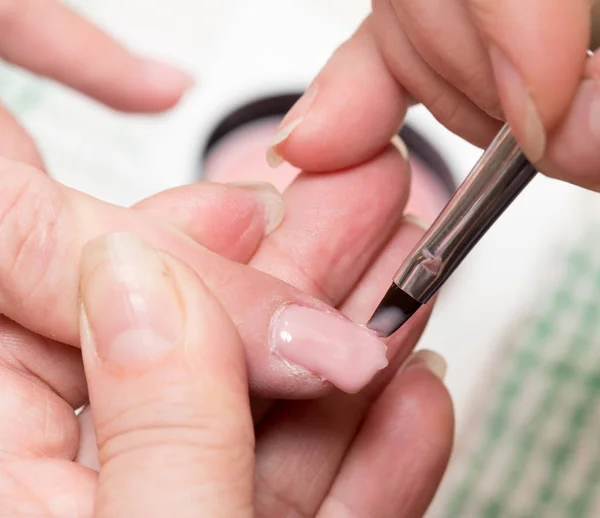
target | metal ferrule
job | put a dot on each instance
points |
(498, 177)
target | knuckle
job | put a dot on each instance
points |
(30, 206)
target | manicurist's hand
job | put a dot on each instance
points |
(49, 39)
(473, 64)
(166, 377)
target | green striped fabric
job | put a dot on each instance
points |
(532, 449)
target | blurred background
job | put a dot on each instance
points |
(516, 323)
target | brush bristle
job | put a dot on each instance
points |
(393, 312)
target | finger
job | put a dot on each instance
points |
(231, 220)
(443, 34)
(49, 39)
(168, 389)
(537, 49)
(16, 144)
(446, 103)
(370, 73)
(302, 441)
(335, 225)
(321, 132)
(41, 382)
(397, 461)
(574, 148)
(46, 487)
(293, 341)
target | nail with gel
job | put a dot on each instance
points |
(269, 198)
(327, 345)
(131, 312)
(291, 121)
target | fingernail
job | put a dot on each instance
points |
(290, 122)
(269, 198)
(130, 308)
(432, 360)
(165, 77)
(529, 128)
(581, 127)
(327, 345)
(400, 145)
(417, 221)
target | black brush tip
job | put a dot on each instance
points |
(393, 312)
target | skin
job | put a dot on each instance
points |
(222, 258)
(474, 64)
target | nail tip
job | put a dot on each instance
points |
(400, 145)
(162, 73)
(271, 200)
(416, 221)
(435, 362)
(274, 159)
(274, 221)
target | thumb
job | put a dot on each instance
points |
(537, 49)
(167, 384)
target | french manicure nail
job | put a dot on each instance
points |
(327, 345)
(290, 122)
(165, 77)
(432, 360)
(270, 199)
(531, 130)
(130, 307)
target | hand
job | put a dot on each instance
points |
(49, 39)
(169, 400)
(328, 246)
(473, 64)
(45, 225)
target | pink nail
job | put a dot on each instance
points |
(327, 345)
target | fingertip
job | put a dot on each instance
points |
(148, 86)
(228, 219)
(574, 149)
(355, 108)
(429, 406)
(166, 83)
(537, 50)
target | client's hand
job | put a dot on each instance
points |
(49, 39)
(167, 384)
(472, 63)
(330, 245)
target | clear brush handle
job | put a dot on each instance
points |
(498, 177)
